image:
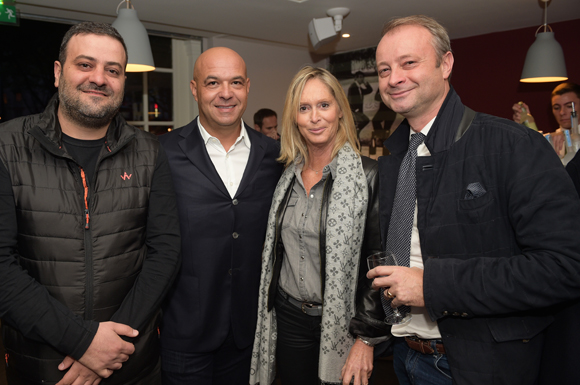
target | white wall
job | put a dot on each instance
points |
(185, 52)
(270, 69)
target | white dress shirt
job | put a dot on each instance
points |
(230, 165)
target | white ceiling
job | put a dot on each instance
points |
(286, 22)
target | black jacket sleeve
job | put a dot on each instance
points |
(534, 266)
(25, 304)
(369, 318)
(163, 252)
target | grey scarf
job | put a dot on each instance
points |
(347, 208)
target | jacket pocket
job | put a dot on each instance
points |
(475, 203)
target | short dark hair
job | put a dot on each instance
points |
(89, 28)
(357, 73)
(564, 88)
(263, 113)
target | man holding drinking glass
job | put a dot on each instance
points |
(487, 221)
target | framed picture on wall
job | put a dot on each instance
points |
(374, 121)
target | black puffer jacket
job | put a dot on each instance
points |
(81, 247)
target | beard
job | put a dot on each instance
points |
(87, 114)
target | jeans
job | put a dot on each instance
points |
(298, 345)
(415, 368)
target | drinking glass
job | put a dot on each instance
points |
(387, 258)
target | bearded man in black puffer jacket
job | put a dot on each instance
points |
(89, 234)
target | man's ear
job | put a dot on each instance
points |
(257, 127)
(57, 72)
(193, 87)
(447, 64)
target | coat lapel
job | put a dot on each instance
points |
(194, 149)
(257, 152)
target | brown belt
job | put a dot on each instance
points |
(424, 346)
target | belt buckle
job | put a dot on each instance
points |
(306, 305)
(426, 347)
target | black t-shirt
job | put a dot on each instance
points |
(85, 153)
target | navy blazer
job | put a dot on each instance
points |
(222, 241)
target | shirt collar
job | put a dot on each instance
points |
(243, 134)
(425, 130)
(329, 168)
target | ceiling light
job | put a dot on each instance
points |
(346, 35)
(136, 39)
(545, 58)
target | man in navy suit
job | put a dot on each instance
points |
(224, 174)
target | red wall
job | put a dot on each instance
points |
(487, 70)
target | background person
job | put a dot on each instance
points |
(225, 174)
(356, 95)
(266, 122)
(89, 236)
(562, 98)
(322, 225)
(493, 241)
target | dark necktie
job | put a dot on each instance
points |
(401, 223)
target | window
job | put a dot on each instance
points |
(148, 102)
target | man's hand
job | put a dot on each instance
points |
(558, 140)
(406, 284)
(78, 374)
(358, 364)
(517, 109)
(108, 351)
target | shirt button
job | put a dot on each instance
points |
(235, 202)
(235, 235)
(227, 156)
(302, 257)
(231, 183)
(311, 195)
(301, 279)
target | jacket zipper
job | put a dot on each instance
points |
(88, 251)
(86, 196)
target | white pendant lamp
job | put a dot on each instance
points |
(545, 58)
(136, 39)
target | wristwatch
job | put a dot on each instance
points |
(365, 341)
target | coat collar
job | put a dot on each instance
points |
(49, 132)
(442, 133)
(193, 147)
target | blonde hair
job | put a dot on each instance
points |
(292, 143)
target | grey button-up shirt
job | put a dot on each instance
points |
(300, 275)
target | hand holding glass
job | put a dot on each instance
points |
(387, 258)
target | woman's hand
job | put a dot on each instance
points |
(359, 364)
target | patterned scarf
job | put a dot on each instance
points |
(345, 223)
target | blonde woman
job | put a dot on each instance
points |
(323, 223)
